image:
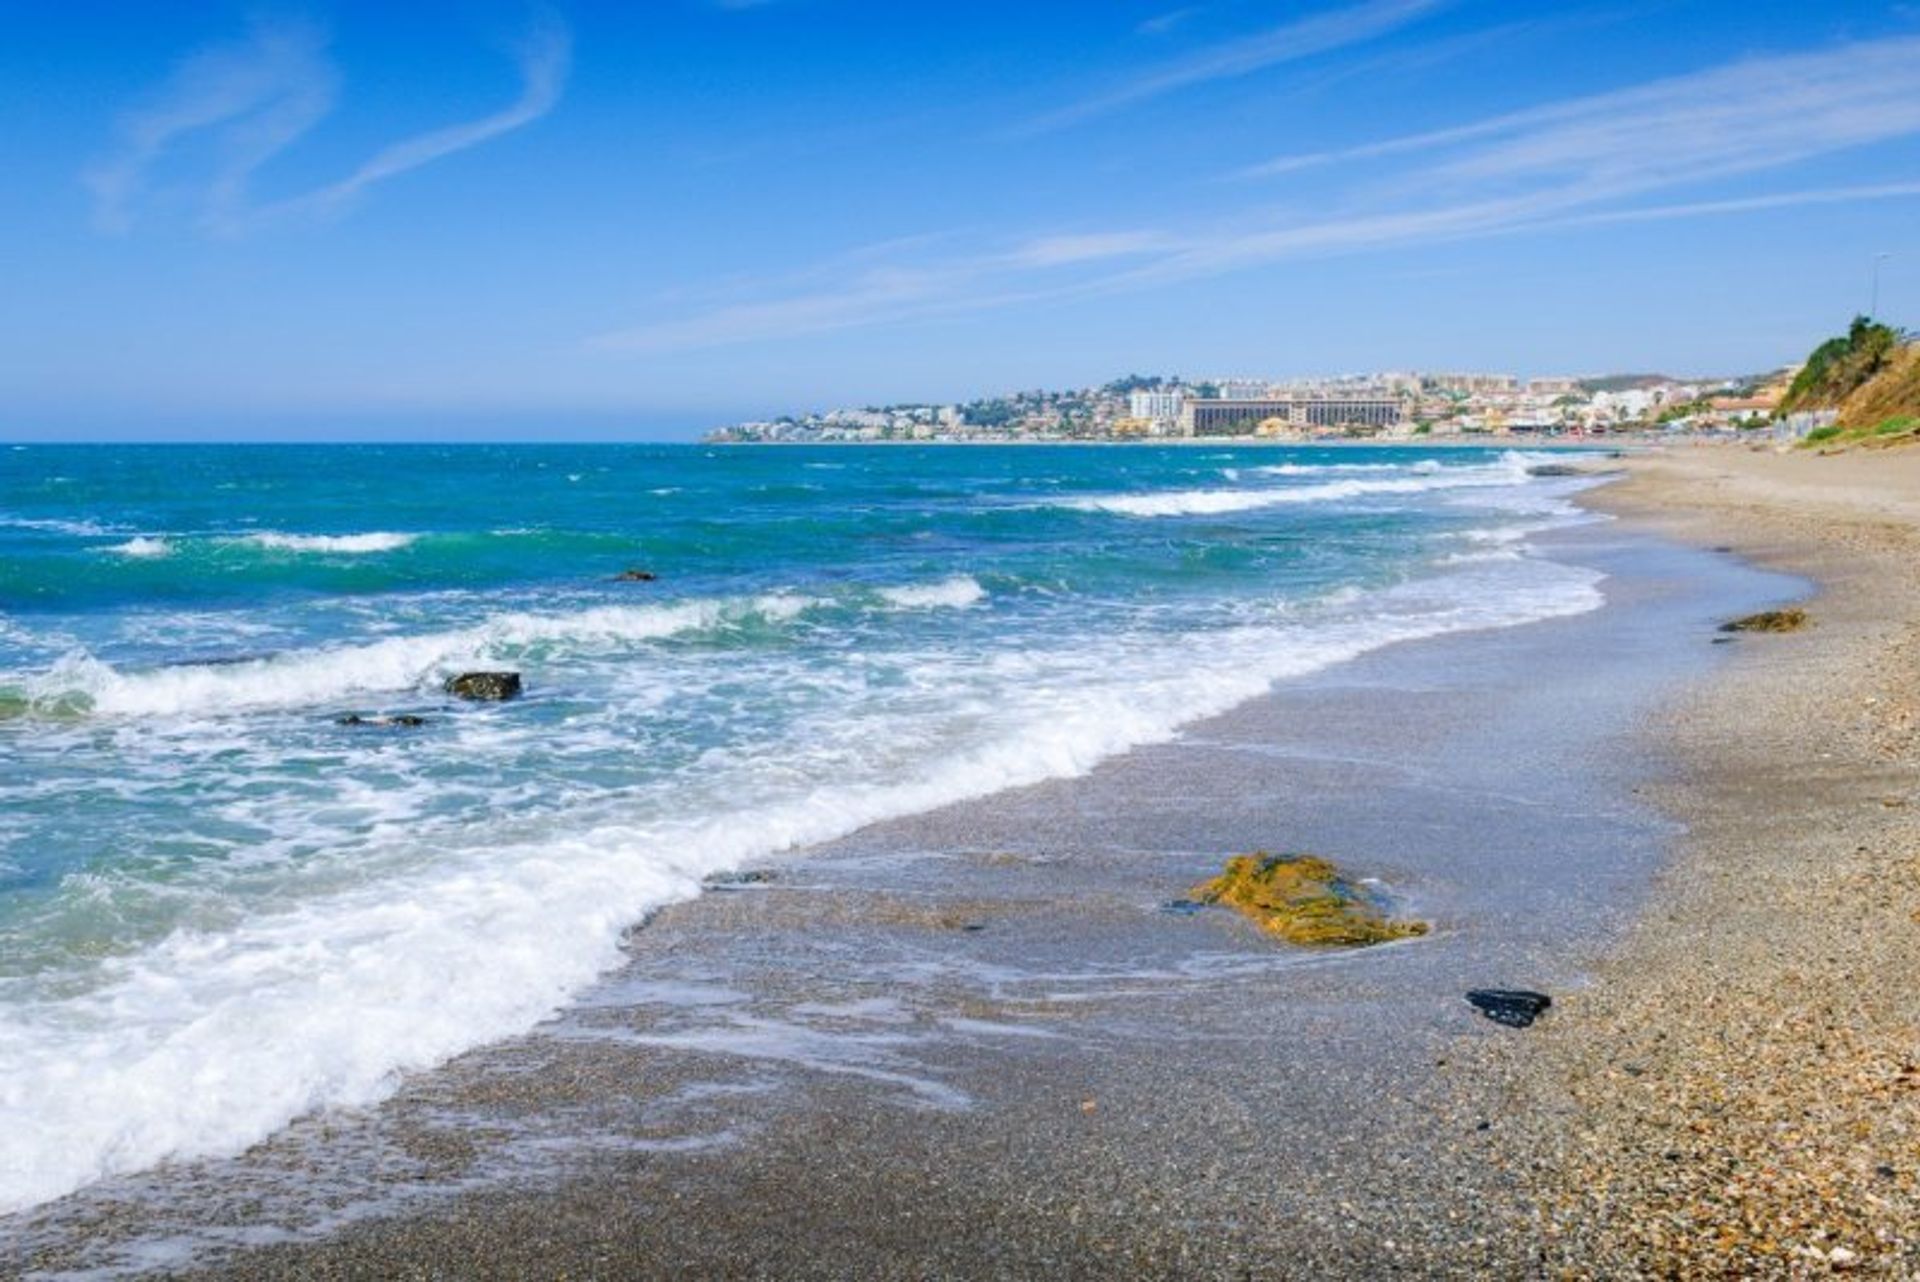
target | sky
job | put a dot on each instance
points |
(638, 220)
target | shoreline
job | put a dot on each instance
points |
(973, 1040)
(1737, 1093)
(1521, 444)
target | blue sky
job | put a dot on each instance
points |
(641, 219)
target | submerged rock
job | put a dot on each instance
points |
(747, 877)
(1514, 1007)
(1304, 900)
(635, 576)
(1554, 469)
(485, 687)
(1769, 621)
(403, 720)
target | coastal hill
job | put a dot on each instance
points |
(1892, 393)
(1871, 376)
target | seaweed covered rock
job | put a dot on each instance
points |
(1304, 900)
(485, 687)
(1769, 621)
(401, 720)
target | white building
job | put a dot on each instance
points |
(1156, 406)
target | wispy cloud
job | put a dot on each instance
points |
(543, 60)
(257, 96)
(1753, 114)
(1161, 23)
(1578, 163)
(874, 285)
(1317, 34)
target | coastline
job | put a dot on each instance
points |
(1524, 444)
(974, 1042)
(1737, 1092)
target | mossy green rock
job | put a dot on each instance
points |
(1304, 900)
(1769, 621)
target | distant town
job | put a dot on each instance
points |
(1370, 407)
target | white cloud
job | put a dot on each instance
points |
(1161, 23)
(1304, 38)
(1752, 114)
(543, 62)
(1058, 251)
(1566, 165)
(258, 96)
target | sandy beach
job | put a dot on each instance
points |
(1738, 1091)
(979, 1043)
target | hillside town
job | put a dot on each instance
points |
(1380, 406)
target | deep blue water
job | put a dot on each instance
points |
(219, 907)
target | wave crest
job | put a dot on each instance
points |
(352, 544)
(1511, 469)
(958, 592)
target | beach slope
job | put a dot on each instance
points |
(1738, 1093)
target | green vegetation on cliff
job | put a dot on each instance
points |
(1842, 366)
(1871, 377)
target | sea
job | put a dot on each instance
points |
(224, 904)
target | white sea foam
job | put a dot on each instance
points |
(421, 662)
(955, 593)
(1509, 470)
(1217, 502)
(209, 1040)
(84, 528)
(142, 547)
(306, 678)
(1322, 469)
(351, 544)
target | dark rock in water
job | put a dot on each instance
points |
(635, 576)
(1514, 1007)
(732, 880)
(406, 720)
(1769, 621)
(1182, 907)
(1554, 469)
(486, 687)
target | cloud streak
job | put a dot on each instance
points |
(1578, 163)
(254, 98)
(1750, 115)
(1320, 33)
(256, 95)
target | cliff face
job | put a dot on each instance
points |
(1892, 393)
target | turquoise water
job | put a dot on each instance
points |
(220, 908)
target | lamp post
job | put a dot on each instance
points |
(1873, 312)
